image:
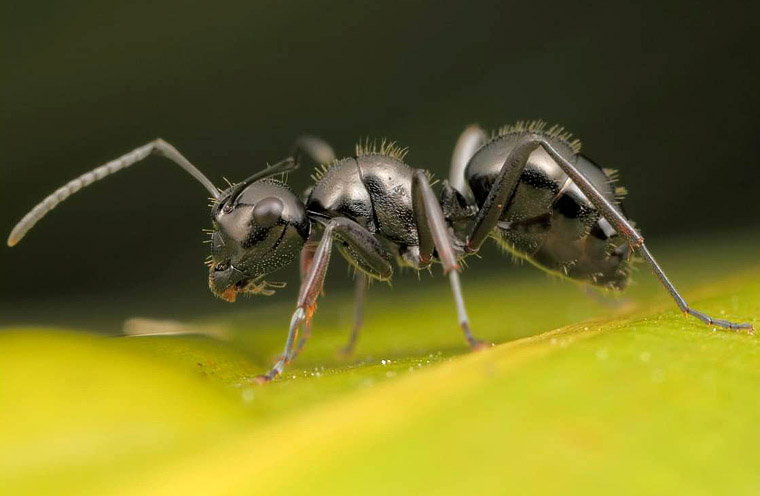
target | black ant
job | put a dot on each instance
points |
(528, 187)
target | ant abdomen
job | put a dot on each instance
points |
(548, 220)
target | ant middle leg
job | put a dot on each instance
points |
(432, 233)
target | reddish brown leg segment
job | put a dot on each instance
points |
(372, 258)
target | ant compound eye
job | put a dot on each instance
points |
(268, 211)
(221, 266)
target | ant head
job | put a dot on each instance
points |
(258, 228)
(259, 224)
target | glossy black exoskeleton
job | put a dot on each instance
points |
(258, 229)
(527, 187)
(548, 220)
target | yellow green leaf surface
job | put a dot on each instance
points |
(577, 396)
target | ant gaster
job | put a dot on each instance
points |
(528, 187)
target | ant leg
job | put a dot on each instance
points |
(431, 225)
(302, 342)
(502, 190)
(307, 257)
(307, 298)
(315, 148)
(635, 240)
(360, 291)
(506, 183)
(602, 299)
(366, 253)
(468, 143)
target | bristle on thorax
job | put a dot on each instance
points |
(385, 147)
(363, 149)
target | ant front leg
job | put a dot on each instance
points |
(366, 253)
(320, 152)
(432, 233)
(360, 291)
(504, 188)
(311, 286)
(307, 257)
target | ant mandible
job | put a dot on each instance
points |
(526, 186)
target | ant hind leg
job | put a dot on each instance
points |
(360, 291)
(507, 181)
(635, 240)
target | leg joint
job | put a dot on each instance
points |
(160, 147)
(637, 240)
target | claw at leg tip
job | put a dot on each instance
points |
(343, 353)
(262, 379)
(481, 345)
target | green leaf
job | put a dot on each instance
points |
(636, 400)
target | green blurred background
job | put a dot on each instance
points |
(667, 92)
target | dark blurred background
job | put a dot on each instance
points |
(666, 92)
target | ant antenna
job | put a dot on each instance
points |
(283, 167)
(315, 148)
(158, 147)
